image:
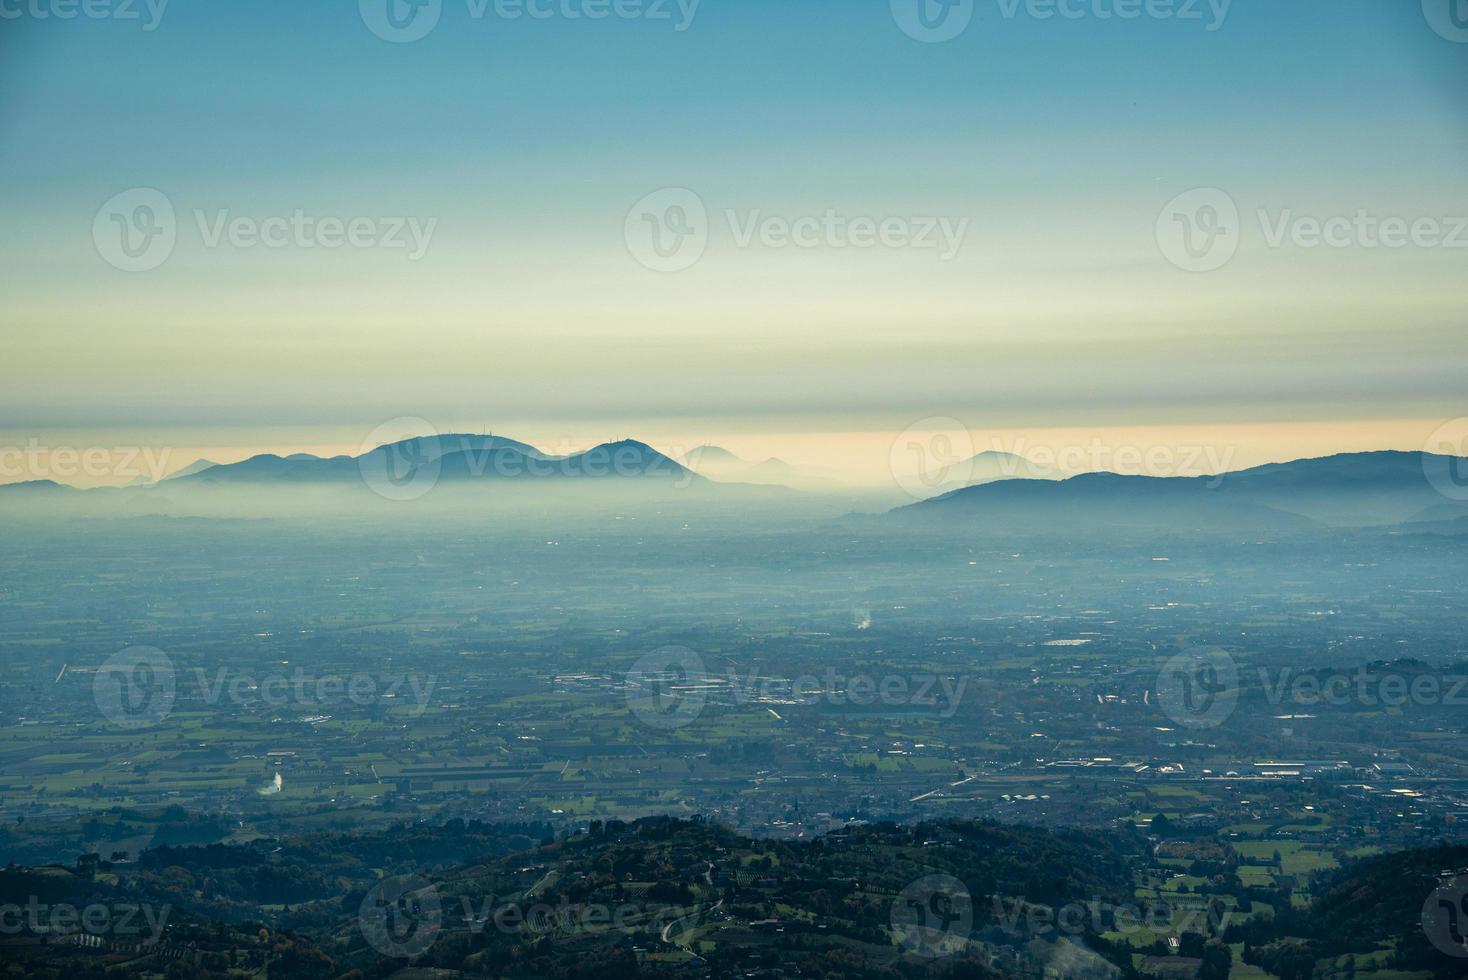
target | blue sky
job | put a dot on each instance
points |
(527, 141)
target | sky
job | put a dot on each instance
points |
(798, 228)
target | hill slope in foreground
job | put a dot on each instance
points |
(665, 897)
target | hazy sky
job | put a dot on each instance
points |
(1048, 149)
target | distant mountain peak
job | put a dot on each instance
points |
(36, 485)
(628, 444)
(626, 457)
(197, 466)
(711, 456)
(451, 443)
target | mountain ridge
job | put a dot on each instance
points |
(455, 457)
(1378, 487)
